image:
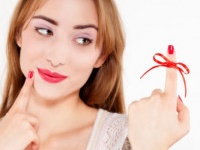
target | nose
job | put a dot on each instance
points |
(54, 63)
(56, 54)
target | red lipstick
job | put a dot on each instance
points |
(51, 77)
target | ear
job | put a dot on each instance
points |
(100, 61)
(18, 39)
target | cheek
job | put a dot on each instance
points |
(29, 53)
(84, 68)
(86, 62)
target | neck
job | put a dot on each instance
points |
(60, 118)
(57, 116)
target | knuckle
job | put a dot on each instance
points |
(34, 122)
(26, 125)
(155, 96)
(132, 107)
(156, 92)
(18, 117)
(137, 104)
(30, 135)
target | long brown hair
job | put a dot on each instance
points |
(104, 88)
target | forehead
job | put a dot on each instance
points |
(70, 11)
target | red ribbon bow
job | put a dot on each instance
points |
(181, 67)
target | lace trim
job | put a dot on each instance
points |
(110, 131)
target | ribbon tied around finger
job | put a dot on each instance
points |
(181, 67)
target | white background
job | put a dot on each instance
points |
(150, 26)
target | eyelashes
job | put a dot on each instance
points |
(83, 41)
(43, 31)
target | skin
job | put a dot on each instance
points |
(160, 120)
(64, 48)
(60, 48)
(53, 118)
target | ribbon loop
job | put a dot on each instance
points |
(181, 67)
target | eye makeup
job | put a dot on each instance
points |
(43, 31)
(83, 39)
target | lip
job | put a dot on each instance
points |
(51, 77)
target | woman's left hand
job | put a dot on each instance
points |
(159, 121)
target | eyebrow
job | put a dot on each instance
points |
(86, 26)
(46, 19)
(56, 23)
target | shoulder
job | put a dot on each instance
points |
(116, 127)
(114, 120)
(111, 130)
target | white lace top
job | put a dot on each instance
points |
(109, 132)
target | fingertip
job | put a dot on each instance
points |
(180, 99)
(30, 77)
(180, 104)
(30, 74)
(170, 49)
(28, 82)
(171, 53)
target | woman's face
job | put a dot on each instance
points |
(58, 44)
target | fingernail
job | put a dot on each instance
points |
(170, 49)
(180, 98)
(30, 74)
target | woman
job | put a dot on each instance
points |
(64, 83)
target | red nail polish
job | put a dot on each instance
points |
(30, 74)
(170, 49)
(180, 98)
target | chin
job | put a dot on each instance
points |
(49, 93)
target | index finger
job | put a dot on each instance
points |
(171, 75)
(23, 97)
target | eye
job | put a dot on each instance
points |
(44, 31)
(83, 41)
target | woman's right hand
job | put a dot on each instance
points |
(18, 129)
